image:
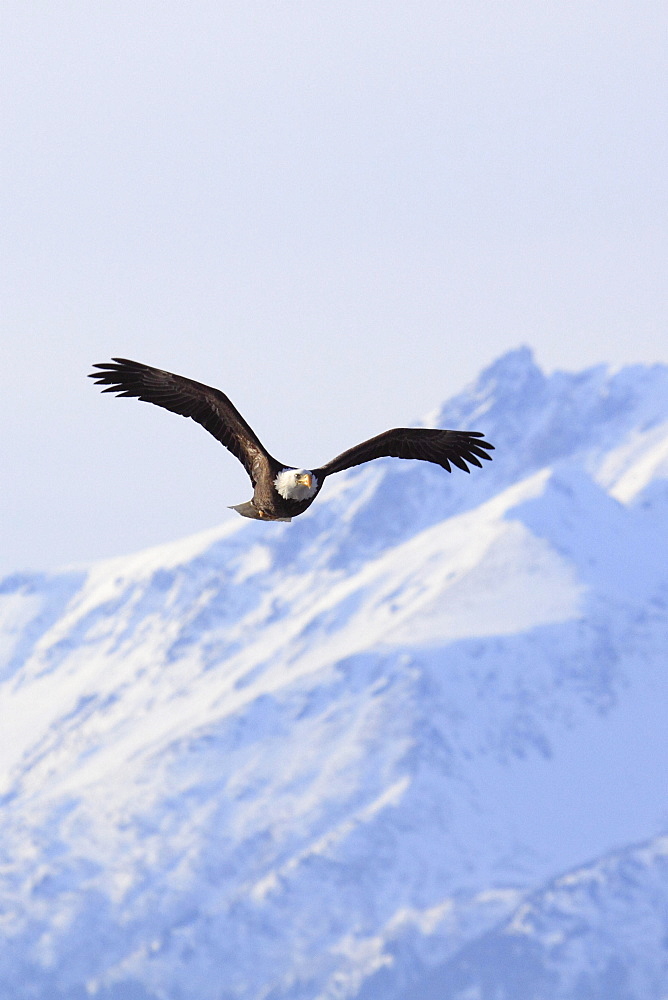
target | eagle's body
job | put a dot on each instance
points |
(281, 492)
(283, 497)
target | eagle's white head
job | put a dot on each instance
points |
(296, 484)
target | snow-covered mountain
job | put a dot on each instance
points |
(412, 745)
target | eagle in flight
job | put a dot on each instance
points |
(281, 492)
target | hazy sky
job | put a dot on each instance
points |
(337, 212)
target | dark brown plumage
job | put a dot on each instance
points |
(281, 492)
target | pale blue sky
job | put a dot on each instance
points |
(336, 212)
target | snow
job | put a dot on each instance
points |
(368, 754)
(642, 457)
(16, 612)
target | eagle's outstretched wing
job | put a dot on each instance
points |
(439, 446)
(209, 407)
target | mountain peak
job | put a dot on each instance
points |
(515, 366)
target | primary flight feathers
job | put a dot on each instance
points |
(281, 492)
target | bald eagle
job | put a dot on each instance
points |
(280, 492)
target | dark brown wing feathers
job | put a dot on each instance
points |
(214, 411)
(430, 445)
(207, 406)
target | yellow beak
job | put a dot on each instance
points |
(305, 480)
